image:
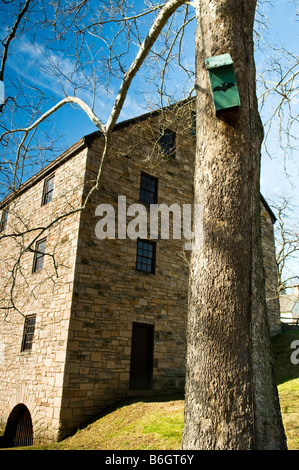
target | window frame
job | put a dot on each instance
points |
(193, 124)
(148, 191)
(4, 217)
(39, 255)
(48, 190)
(28, 333)
(142, 262)
(165, 147)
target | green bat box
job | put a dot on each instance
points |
(223, 83)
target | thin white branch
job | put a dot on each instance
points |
(144, 49)
(68, 99)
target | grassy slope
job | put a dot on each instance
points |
(140, 425)
(158, 425)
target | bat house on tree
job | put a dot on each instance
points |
(223, 83)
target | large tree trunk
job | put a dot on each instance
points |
(231, 395)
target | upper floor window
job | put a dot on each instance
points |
(167, 142)
(148, 189)
(193, 123)
(48, 190)
(3, 222)
(38, 260)
(28, 333)
(146, 256)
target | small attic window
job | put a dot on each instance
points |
(193, 123)
(48, 190)
(167, 142)
(4, 218)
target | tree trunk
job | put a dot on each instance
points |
(231, 396)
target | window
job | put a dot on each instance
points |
(167, 142)
(148, 189)
(38, 260)
(193, 124)
(48, 190)
(3, 222)
(29, 327)
(146, 256)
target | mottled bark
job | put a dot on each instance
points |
(231, 396)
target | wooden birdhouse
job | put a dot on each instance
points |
(223, 83)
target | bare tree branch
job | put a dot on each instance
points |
(144, 49)
(106, 129)
(11, 37)
(287, 243)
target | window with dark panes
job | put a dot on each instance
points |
(146, 256)
(48, 190)
(28, 333)
(3, 222)
(193, 124)
(148, 189)
(38, 260)
(167, 142)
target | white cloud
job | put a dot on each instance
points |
(56, 73)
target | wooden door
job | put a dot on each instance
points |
(141, 371)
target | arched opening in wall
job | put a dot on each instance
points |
(19, 430)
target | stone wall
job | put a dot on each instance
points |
(35, 378)
(270, 268)
(110, 295)
(81, 356)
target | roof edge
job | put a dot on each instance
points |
(268, 209)
(80, 145)
(142, 117)
(87, 140)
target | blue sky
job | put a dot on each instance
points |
(280, 173)
(283, 30)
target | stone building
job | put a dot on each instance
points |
(289, 307)
(88, 321)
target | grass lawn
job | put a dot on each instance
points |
(289, 403)
(137, 426)
(287, 375)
